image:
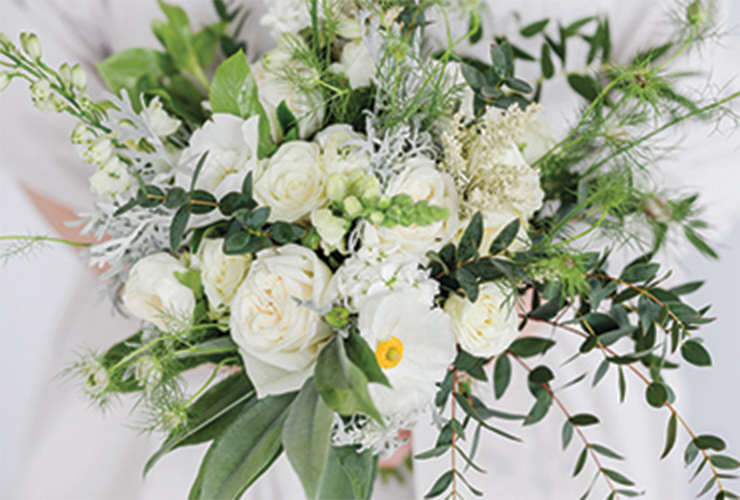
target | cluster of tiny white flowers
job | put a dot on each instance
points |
(369, 435)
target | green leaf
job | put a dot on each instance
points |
(539, 409)
(471, 239)
(341, 384)
(603, 450)
(234, 201)
(360, 353)
(198, 168)
(205, 42)
(617, 477)
(584, 85)
(255, 219)
(473, 77)
(548, 68)
(234, 89)
(640, 272)
(540, 375)
(532, 29)
(526, 347)
(286, 118)
(306, 436)
(179, 224)
(284, 232)
(334, 483)
(437, 451)
(567, 434)
(519, 85)
(360, 468)
(690, 453)
(580, 462)
(695, 353)
(209, 415)
(473, 365)
(248, 186)
(245, 449)
(176, 197)
(499, 60)
(202, 202)
(600, 372)
(670, 438)
(124, 69)
(177, 37)
(656, 394)
(724, 462)
(709, 442)
(699, 242)
(505, 238)
(468, 282)
(440, 485)
(583, 419)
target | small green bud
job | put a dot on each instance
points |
(31, 45)
(390, 223)
(406, 220)
(311, 239)
(4, 80)
(384, 202)
(402, 200)
(79, 78)
(336, 187)
(438, 213)
(696, 13)
(338, 317)
(376, 218)
(65, 72)
(368, 188)
(394, 212)
(85, 103)
(352, 206)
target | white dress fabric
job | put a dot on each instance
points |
(62, 448)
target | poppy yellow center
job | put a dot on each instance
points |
(389, 353)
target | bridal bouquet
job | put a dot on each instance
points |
(349, 231)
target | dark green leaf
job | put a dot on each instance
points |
(283, 232)
(539, 409)
(724, 462)
(548, 68)
(622, 385)
(360, 468)
(255, 219)
(670, 438)
(505, 238)
(526, 347)
(498, 57)
(690, 453)
(687, 288)
(603, 450)
(617, 477)
(473, 365)
(640, 272)
(656, 394)
(583, 419)
(532, 29)
(468, 282)
(247, 186)
(600, 372)
(580, 462)
(699, 242)
(541, 375)
(567, 434)
(286, 118)
(245, 449)
(237, 239)
(473, 77)
(501, 375)
(584, 85)
(198, 168)
(176, 197)
(202, 202)
(306, 436)
(440, 485)
(232, 202)
(360, 353)
(695, 353)
(709, 442)
(519, 85)
(179, 224)
(471, 239)
(437, 451)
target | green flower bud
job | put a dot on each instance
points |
(31, 45)
(65, 72)
(79, 78)
(696, 12)
(338, 317)
(402, 200)
(40, 90)
(376, 218)
(336, 187)
(368, 188)
(81, 134)
(394, 212)
(384, 203)
(390, 223)
(352, 206)
(438, 213)
(4, 80)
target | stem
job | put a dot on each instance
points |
(45, 238)
(645, 380)
(581, 435)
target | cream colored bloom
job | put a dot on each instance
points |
(422, 181)
(414, 346)
(221, 274)
(153, 293)
(278, 337)
(162, 124)
(486, 327)
(357, 63)
(294, 182)
(339, 145)
(111, 178)
(331, 228)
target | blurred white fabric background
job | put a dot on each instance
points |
(48, 312)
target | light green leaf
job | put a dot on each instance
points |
(306, 436)
(245, 449)
(124, 69)
(205, 43)
(234, 89)
(360, 468)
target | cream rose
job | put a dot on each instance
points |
(422, 181)
(153, 293)
(486, 327)
(339, 145)
(293, 183)
(278, 338)
(221, 274)
(357, 63)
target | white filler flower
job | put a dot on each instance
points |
(153, 293)
(278, 337)
(486, 327)
(221, 274)
(414, 346)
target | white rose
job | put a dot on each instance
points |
(273, 74)
(279, 338)
(422, 181)
(161, 123)
(340, 144)
(221, 274)
(286, 16)
(111, 178)
(153, 293)
(231, 143)
(357, 63)
(486, 327)
(538, 138)
(293, 183)
(414, 346)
